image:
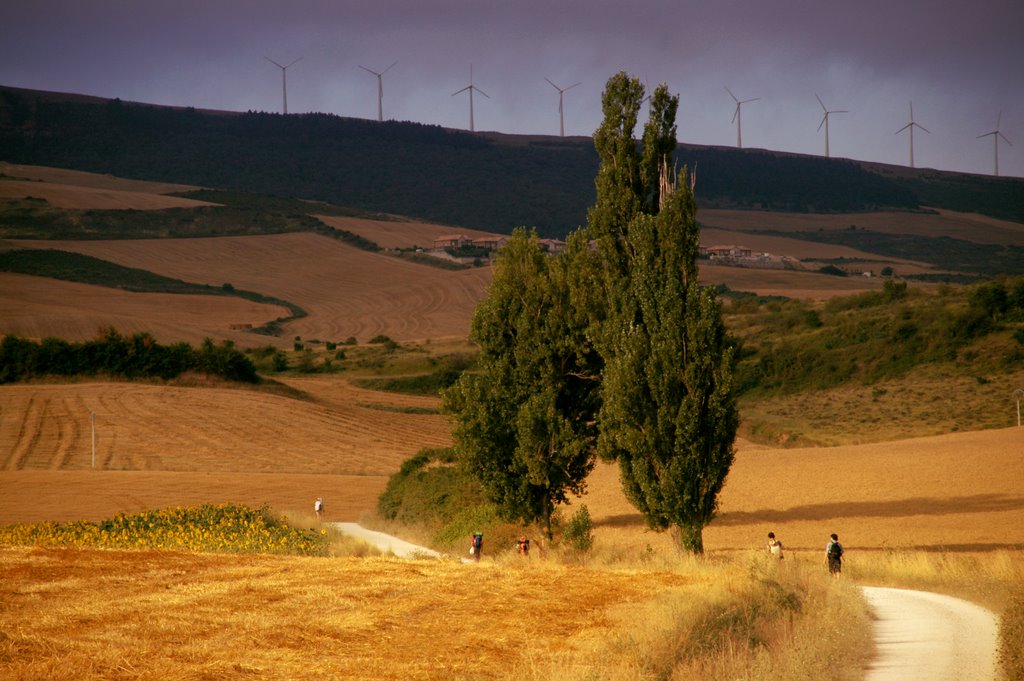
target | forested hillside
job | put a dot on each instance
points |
(485, 181)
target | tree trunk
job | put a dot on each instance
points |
(691, 538)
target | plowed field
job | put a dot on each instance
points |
(162, 446)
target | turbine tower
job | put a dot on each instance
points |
(996, 134)
(824, 121)
(380, 89)
(284, 80)
(470, 88)
(910, 126)
(736, 117)
(561, 117)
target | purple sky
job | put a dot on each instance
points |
(960, 63)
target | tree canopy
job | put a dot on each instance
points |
(525, 420)
(668, 414)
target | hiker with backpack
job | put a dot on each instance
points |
(834, 555)
(476, 545)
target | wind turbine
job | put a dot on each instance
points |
(736, 117)
(380, 89)
(284, 79)
(471, 87)
(824, 121)
(561, 91)
(996, 134)
(911, 125)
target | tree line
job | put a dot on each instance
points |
(113, 354)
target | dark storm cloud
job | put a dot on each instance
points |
(961, 64)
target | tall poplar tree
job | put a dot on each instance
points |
(668, 413)
(525, 421)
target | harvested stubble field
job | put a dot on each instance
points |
(38, 307)
(163, 615)
(346, 291)
(159, 446)
(165, 445)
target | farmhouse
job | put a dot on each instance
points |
(714, 252)
(452, 241)
(552, 245)
(491, 243)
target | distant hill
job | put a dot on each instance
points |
(484, 181)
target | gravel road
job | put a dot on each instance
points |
(385, 542)
(931, 637)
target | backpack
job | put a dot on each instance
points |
(835, 550)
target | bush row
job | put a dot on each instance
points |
(112, 354)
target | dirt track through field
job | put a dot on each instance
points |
(924, 636)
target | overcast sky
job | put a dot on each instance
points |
(961, 63)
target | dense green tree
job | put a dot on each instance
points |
(525, 419)
(668, 414)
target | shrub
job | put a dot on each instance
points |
(428, 488)
(578, 533)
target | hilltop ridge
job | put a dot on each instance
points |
(487, 181)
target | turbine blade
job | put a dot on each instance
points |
(985, 135)
(273, 62)
(368, 70)
(841, 111)
(481, 92)
(735, 113)
(552, 84)
(903, 128)
(820, 102)
(823, 119)
(1006, 140)
(923, 128)
(388, 68)
(294, 61)
(732, 95)
(459, 92)
(573, 85)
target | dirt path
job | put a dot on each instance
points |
(923, 635)
(385, 542)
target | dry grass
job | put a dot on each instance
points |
(144, 615)
(918, 405)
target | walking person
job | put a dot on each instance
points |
(476, 545)
(318, 508)
(834, 555)
(774, 547)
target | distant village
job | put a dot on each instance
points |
(461, 248)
